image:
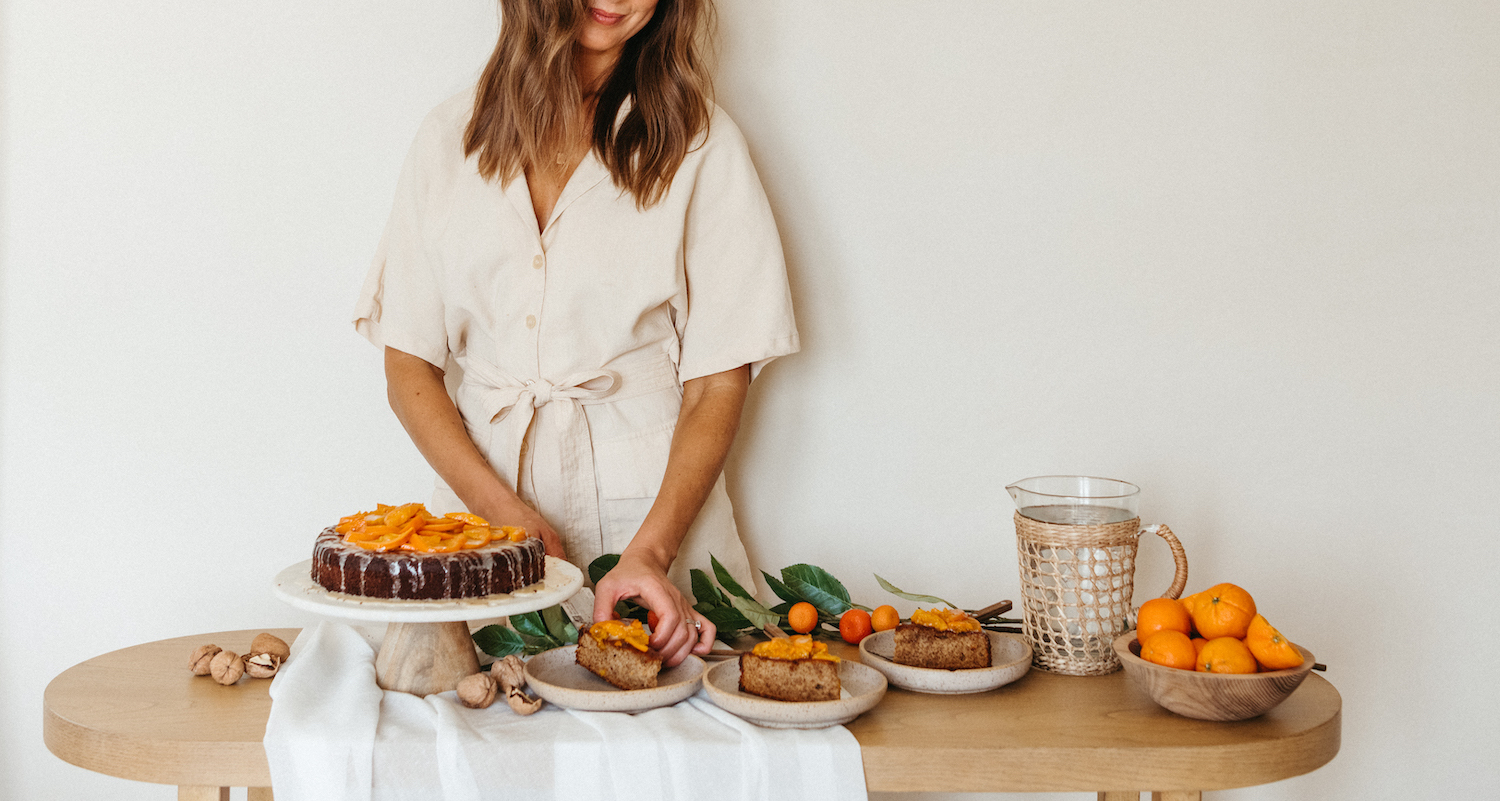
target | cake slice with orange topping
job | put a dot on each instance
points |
(790, 669)
(943, 639)
(619, 652)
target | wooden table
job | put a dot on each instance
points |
(138, 713)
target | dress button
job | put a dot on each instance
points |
(537, 262)
(531, 321)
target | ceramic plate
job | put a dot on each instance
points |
(1010, 658)
(863, 689)
(556, 676)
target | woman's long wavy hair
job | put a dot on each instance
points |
(529, 97)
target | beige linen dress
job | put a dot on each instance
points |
(572, 345)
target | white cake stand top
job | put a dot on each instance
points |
(296, 587)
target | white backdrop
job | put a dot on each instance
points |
(1244, 255)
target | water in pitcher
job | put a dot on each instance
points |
(1076, 514)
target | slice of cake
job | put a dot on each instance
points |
(943, 639)
(790, 669)
(618, 651)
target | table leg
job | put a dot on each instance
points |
(259, 794)
(1120, 795)
(200, 793)
(1178, 795)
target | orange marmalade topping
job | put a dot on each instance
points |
(410, 527)
(629, 632)
(944, 620)
(799, 646)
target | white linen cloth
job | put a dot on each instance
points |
(573, 341)
(333, 735)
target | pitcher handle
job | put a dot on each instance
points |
(1179, 556)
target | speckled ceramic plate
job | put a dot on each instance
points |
(557, 677)
(862, 690)
(1010, 658)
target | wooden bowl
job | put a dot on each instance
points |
(1210, 696)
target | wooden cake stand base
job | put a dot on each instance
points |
(427, 647)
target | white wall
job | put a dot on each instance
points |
(1243, 255)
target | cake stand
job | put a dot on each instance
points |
(427, 647)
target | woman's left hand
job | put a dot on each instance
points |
(679, 630)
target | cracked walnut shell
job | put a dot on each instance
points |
(270, 644)
(262, 666)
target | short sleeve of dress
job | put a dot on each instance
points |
(401, 304)
(739, 305)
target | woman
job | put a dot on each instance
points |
(584, 240)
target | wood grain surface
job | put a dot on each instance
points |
(140, 714)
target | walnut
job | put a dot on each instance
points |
(262, 666)
(202, 656)
(477, 691)
(270, 644)
(227, 667)
(510, 673)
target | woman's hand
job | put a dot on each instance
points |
(514, 512)
(679, 630)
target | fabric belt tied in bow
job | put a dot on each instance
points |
(537, 438)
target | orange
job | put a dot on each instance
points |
(1172, 649)
(802, 617)
(1162, 614)
(885, 618)
(1225, 655)
(1198, 643)
(1271, 649)
(1222, 610)
(855, 625)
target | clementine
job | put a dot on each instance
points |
(854, 625)
(1272, 650)
(885, 617)
(1198, 643)
(802, 617)
(1222, 610)
(1172, 649)
(1162, 614)
(1225, 655)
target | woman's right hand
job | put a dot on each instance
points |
(515, 512)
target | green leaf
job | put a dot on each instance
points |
(727, 619)
(782, 591)
(499, 641)
(630, 610)
(782, 608)
(704, 591)
(536, 645)
(925, 599)
(602, 565)
(530, 624)
(728, 581)
(818, 587)
(559, 626)
(758, 615)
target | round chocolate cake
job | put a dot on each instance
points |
(498, 567)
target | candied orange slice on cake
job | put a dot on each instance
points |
(512, 533)
(401, 514)
(387, 542)
(442, 524)
(475, 537)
